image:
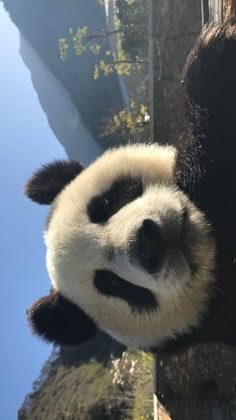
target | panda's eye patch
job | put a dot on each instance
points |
(122, 192)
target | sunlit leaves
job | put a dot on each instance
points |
(116, 59)
(95, 48)
(128, 123)
(79, 40)
(121, 49)
(63, 47)
(96, 72)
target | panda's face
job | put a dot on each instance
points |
(130, 249)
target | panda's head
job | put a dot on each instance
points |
(125, 247)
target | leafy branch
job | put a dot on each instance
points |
(128, 124)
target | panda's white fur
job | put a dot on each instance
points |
(76, 248)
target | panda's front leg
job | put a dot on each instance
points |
(57, 320)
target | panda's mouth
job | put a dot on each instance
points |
(139, 298)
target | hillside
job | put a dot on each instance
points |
(42, 24)
(74, 384)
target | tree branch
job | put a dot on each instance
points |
(106, 34)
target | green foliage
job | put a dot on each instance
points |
(143, 401)
(128, 124)
(129, 40)
(118, 390)
(133, 18)
(63, 47)
(78, 39)
(121, 65)
(127, 34)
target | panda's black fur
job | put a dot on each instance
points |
(190, 239)
(206, 163)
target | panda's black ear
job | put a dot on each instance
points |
(57, 320)
(46, 183)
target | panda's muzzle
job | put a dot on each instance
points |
(150, 246)
(153, 240)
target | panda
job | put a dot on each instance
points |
(142, 243)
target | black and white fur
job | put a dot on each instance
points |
(136, 242)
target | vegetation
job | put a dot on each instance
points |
(128, 124)
(132, 17)
(84, 41)
(120, 390)
(126, 54)
(129, 34)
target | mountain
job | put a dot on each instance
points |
(97, 381)
(41, 25)
(63, 116)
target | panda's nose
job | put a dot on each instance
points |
(151, 231)
(150, 245)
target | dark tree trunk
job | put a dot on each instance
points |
(199, 383)
(173, 28)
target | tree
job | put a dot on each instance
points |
(198, 383)
(173, 28)
(130, 22)
(133, 20)
(130, 125)
(127, 56)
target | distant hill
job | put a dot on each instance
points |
(97, 381)
(42, 24)
(62, 114)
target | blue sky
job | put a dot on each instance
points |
(26, 142)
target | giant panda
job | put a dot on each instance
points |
(142, 243)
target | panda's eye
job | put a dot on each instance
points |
(99, 210)
(122, 192)
(105, 208)
(106, 204)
